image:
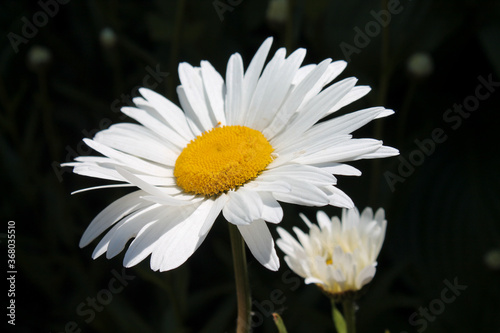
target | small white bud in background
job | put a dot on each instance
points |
(38, 57)
(420, 65)
(492, 259)
(107, 37)
(277, 11)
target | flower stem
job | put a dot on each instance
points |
(338, 319)
(385, 75)
(350, 315)
(241, 278)
(280, 325)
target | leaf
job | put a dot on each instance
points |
(338, 319)
(279, 323)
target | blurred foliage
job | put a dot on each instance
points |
(443, 219)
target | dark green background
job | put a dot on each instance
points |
(442, 220)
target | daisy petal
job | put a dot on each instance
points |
(108, 171)
(136, 144)
(333, 70)
(345, 152)
(303, 173)
(293, 102)
(129, 160)
(155, 191)
(180, 242)
(339, 198)
(259, 100)
(111, 214)
(214, 90)
(382, 152)
(234, 89)
(352, 96)
(266, 102)
(192, 86)
(147, 239)
(303, 194)
(271, 185)
(287, 243)
(302, 73)
(156, 126)
(348, 123)
(272, 211)
(365, 276)
(339, 169)
(243, 207)
(313, 280)
(215, 210)
(116, 239)
(261, 244)
(171, 201)
(315, 109)
(253, 72)
(100, 187)
(170, 112)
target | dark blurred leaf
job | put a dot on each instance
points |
(489, 36)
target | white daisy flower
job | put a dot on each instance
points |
(237, 146)
(338, 257)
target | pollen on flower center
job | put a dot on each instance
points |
(222, 159)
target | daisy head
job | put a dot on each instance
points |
(339, 257)
(237, 145)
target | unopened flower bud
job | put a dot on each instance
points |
(107, 37)
(492, 259)
(39, 57)
(420, 65)
(277, 11)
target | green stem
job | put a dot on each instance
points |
(280, 325)
(405, 108)
(350, 315)
(379, 125)
(241, 278)
(338, 319)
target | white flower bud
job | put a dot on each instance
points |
(38, 57)
(492, 259)
(340, 257)
(277, 11)
(107, 37)
(420, 65)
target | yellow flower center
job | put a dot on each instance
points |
(222, 159)
(329, 261)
